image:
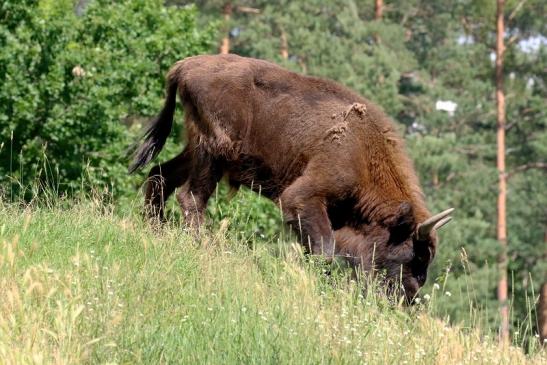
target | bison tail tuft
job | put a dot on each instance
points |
(157, 132)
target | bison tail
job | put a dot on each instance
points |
(157, 132)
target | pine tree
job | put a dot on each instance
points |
(501, 229)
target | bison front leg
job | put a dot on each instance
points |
(304, 209)
(201, 183)
(162, 181)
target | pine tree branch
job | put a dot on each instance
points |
(515, 11)
(248, 10)
(528, 166)
(523, 112)
(512, 40)
(511, 125)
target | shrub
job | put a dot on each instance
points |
(74, 89)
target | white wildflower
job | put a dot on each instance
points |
(448, 294)
(436, 286)
(78, 71)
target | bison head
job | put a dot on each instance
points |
(398, 246)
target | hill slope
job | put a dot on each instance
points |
(81, 284)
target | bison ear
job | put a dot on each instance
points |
(401, 224)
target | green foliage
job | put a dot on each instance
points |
(250, 216)
(72, 87)
(15, 12)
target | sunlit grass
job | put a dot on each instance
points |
(81, 284)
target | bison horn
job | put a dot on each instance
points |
(433, 223)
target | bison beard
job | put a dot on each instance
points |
(329, 157)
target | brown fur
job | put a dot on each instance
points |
(328, 156)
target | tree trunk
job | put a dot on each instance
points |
(284, 45)
(435, 179)
(227, 12)
(542, 305)
(303, 65)
(501, 228)
(80, 7)
(542, 314)
(378, 9)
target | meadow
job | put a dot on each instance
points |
(83, 282)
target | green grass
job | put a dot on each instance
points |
(81, 284)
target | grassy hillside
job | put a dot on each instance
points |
(80, 284)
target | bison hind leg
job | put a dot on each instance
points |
(202, 181)
(162, 181)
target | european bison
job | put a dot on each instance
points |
(329, 157)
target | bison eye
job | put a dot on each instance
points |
(423, 254)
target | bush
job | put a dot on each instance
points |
(73, 90)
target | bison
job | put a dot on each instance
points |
(330, 158)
